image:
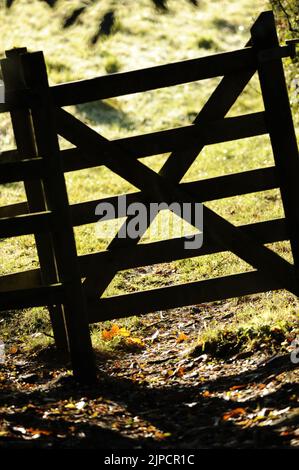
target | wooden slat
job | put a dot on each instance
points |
(261, 179)
(180, 295)
(43, 119)
(213, 132)
(22, 170)
(22, 280)
(36, 297)
(165, 251)
(11, 156)
(281, 127)
(154, 77)
(12, 210)
(27, 224)
(146, 254)
(210, 189)
(179, 139)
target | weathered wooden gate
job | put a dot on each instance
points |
(72, 285)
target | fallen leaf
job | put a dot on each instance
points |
(181, 371)
(39, 432)
(233, 414)
(162, 435)
(123, 332)
(13, 350)
(237, 387)
(115, 330)
(135, 342)
(70, 406)
(182, 337)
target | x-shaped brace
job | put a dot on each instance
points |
(164, 186)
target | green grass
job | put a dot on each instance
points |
(249, 327)
(142, 38)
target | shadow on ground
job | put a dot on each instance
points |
(120, 413)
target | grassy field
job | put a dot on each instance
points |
(143, 37)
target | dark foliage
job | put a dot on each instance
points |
(105, 28)
(70, 20)
(289, 11)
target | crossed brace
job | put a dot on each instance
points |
(165, 186)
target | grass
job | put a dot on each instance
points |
(144, 38)
(251, 329)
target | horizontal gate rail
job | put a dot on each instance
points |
(21, 171)
(193, 293)
(32, 297)
(27, 224)
(209, 189)
(146, 254)
(151, 78)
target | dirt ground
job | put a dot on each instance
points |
(159, 396)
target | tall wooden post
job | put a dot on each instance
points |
(43, 120)
(280, 124)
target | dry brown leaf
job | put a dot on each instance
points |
(237, 387)
(39, 432)
(182, 337)
(13, 349)
(115, 330)
(136, 342)
(234, 414)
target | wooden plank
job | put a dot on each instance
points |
(27, 224)
(208, 190)
(12, 210)
(158, 188)
(22, 170)
(35, 74)
(145, 254)
(165, 251)
(154, 77)
(280, 123)
(182, 138)
(25, 141)
(194, 293)
(22, 280)
(36, 297)
(11, 156)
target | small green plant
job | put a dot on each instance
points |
(207, 43)
(112, 64)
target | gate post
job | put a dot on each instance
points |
(43, 120)
(280, 125)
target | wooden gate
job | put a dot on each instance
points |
(72, 285)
